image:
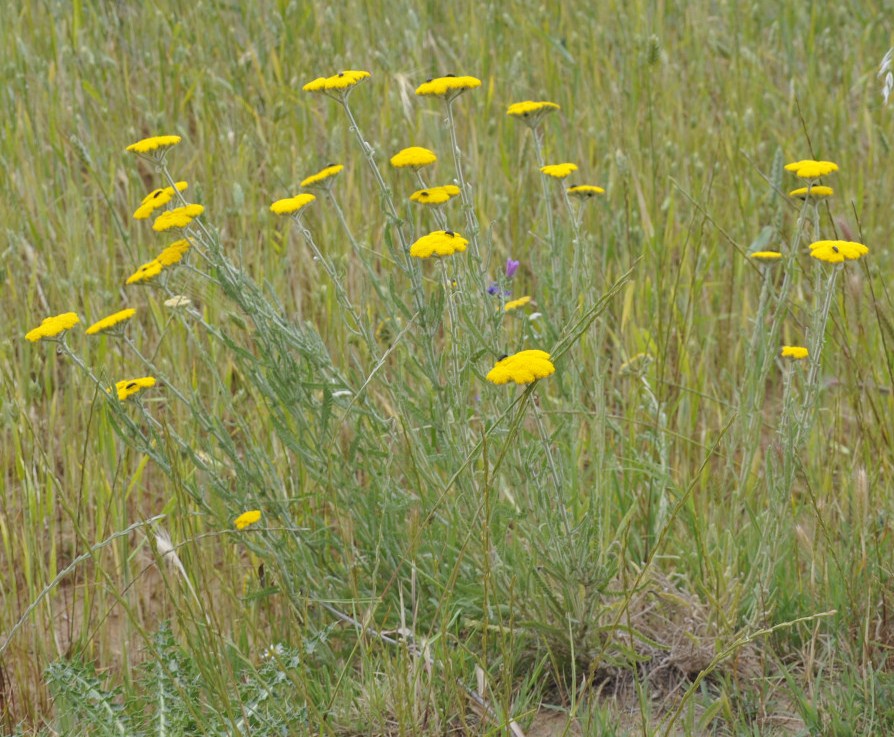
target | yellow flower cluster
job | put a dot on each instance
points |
(765, 255)
(337, 82)
(522, 368)
(179, 217)
(247, 518)
(129, 387)
(817, 191)
(111, 321)
(171, 255)
(157, 199)
(438, 243)
(795, 352)
(810, 169)
(435, 195)
(559, 171)
(52, 327)
(448, 87)
(154, 143)
(835, 252)
(291, 205)
(516, 303)
(531, 109)
(322, 176)
(584, 191)
(414, 157)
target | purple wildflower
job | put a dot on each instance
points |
(511, 267)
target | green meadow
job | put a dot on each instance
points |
(658, 525)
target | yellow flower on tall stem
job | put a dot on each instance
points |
(53, 327)
(438, 243)
(794, 352)
(338, 86)
(531, 113)
(810, 169)
(179, 217)
(247, 518)
(323, 179)
(449, 86)
(157, 199)
(413, 157)
(817, 191)
(584, 191)
(154, 144)
(291, 205)
(835, 252)
(765, 255)
(111, 321)
(523, 367)
(435, 195)
(558, 171)
(129, 387)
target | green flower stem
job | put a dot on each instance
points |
(465, 191)
(550, 225)
(440, 217)
(341, 294)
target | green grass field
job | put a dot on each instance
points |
(678, 532)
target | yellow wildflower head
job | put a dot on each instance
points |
(247, 518)
(438, 243)
(795, 352)
(129, 387)
(322, 178)
(52, 327)
(765, 255)
(522, 368)
(147, 271)
(514, 304)
(835, 252)
(449, 87)
(338, 85)
(179, 217)
(584, 191)
(414, 157)
(156, 199)
(530, 112)
(173, 253)
(817, 191)
(111, 321)
(435, 195)
(291, 205)
(810, 169)
(154, 144)
(559, 171)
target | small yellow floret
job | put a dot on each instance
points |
(529, 108)
(448, 87)
(438, 243)
(559, 171)
(516, 303)
(817, 190)
(50, 327)
(111, 321)
(291, 205)
(795, 352)
(584, 190)
(522, 368)
(321, 176)
(435, 195)
(415, 157)
(810, 169)
(157, 198)
(129, 387)
(174, 253)
(247, 518)
(765, 255)
(146, 145)
(179, 217)
(337, 82)
(147, 271)
(835, 252)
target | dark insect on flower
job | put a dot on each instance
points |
(449, 75)
(429, 80)
(450, 233)
(504, 356)
(131, 385)
(328, 165)
(341, 74)
(423, 193)
(835, 248)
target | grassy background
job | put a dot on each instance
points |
(679, 110)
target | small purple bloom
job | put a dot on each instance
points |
(493, 289)
(511, 267)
